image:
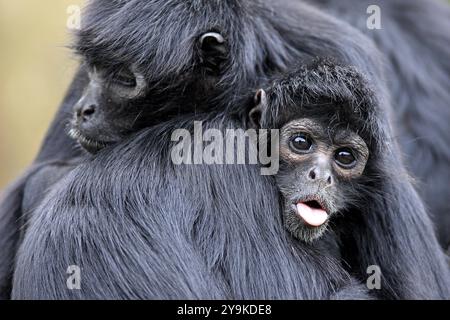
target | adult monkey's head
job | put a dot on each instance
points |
(149, 60)
(143, 66)
(323, 112)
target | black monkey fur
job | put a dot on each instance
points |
(131, 243)
(273, 42)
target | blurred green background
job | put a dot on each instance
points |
(35, 70)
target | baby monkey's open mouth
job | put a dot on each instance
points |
(313, 204)
(312, 212)
(89, 144)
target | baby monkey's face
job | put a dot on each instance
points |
(318, 172)
(321, 162)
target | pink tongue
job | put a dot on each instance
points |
(313, 217)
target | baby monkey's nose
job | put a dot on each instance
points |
(320, 174)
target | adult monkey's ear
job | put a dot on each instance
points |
(213, 51)
(212, 41)
(260, 105)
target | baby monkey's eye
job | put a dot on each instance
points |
(300, 143)
(125, 78)
(345, 158)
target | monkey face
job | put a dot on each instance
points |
(318, 170)
(323, 111)
(109, 109)
(120, 99)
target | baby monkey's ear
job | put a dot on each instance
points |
(260, 105)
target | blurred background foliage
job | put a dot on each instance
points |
(35, 70)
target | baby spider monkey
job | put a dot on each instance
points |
(323, 146)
